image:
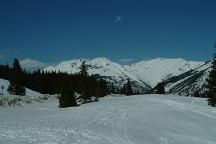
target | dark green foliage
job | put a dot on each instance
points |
(159, 88)
(83, 69)
(16, 66)
(127, 89)
(84, 83)
(67, 98)
(196, 94)
(89, 86)
(211, 86)
(101, 88)
(16, 80)
(16, 88)
(4, 71)
(113, 89)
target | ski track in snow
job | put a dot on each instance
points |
(148, 119)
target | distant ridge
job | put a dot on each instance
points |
(144, 74)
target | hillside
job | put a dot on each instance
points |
(192, 82)
(5, 84)
(147, 119)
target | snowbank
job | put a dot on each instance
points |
(14, 100)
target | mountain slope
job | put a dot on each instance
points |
(192, 82)
(157, 70)
(144, 74)
(110, 71)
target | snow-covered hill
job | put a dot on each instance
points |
(148, 119)
(14, 100)
(144, 74)
(5, 84)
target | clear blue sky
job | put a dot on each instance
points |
(55, 30)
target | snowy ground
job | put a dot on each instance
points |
(148, 119)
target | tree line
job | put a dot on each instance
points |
(64, 84)
(54, 83)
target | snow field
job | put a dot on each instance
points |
(143, 119)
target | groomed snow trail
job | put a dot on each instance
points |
(144, 119)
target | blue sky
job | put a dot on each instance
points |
(127, 30)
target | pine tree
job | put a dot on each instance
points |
(112, 89)
(127, 88)
(84, 82)
(16, 80)
(67, 98)
(16, 66)
(211, 86)
(159, 88)
(101, 88)
(83, 69)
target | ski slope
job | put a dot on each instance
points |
(147, 119)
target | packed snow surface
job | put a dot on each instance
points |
(143, 119)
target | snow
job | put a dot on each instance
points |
(141, 119)
(145, 72)
(115, 72)
(70, 66)
(187, 86)
(30, 64)
(5, 84)
(156, 70)
(15, 100)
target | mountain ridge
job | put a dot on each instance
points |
(192, 82)
(144, 74)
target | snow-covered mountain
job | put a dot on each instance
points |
(144, 74)
(112, 72)
(159, 69)
(192, 82)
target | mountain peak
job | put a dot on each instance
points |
(148, 72)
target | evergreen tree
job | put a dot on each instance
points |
(159, 88)
(16, 80)
(112, 89)
(127, 89)
(4, 71)
(16, 66)
(67, 98)
(196, 94)
(83, 69)
(84, 86)
(101, 88)
(211, 86)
